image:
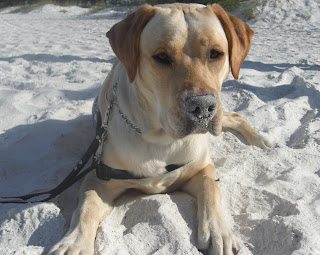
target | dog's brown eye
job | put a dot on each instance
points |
(214, 55)
(163, 58)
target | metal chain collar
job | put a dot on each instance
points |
(104, 125)
(124, 117)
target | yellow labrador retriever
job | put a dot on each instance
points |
(173, 61)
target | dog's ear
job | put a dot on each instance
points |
(124, 38)
(239, 36)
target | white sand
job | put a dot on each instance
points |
(52, 63)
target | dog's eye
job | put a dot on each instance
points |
(163, 58)
(214, 55)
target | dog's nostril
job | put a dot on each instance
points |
(211, 108)
(196, 111)
(200, 107)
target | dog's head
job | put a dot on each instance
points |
(178, 56)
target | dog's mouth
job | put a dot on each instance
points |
(200, 126)
(182, 125)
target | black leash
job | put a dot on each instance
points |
(75, 175)
(72, 178)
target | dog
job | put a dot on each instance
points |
(173, 60)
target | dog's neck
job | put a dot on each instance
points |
(137, 112)
(115, 102)
(128, 106)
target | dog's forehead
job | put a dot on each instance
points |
(175, 24)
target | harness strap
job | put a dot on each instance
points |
(107, 173)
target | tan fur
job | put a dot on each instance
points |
(125, 43)
(239, 36)
(150, 95)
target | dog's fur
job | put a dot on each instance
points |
(165, 59)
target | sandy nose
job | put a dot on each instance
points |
(201, 106)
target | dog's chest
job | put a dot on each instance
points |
(148, 159)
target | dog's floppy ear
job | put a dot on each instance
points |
(239, 36)
(124, 38)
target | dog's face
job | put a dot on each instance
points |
(184, 55)
(180, 55)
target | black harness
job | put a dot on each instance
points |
(107, 173)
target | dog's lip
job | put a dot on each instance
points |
(189, 128)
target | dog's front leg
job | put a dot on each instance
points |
(214, 233)
(236, 122)
(95, 202)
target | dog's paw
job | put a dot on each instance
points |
(259, 140)
(68, 246)
(215, 237)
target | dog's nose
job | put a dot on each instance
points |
(201, 107)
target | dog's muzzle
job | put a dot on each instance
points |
(200, 108)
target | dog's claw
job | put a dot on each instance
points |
(260, 141)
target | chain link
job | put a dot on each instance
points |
(105, 124)
(123, 116)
